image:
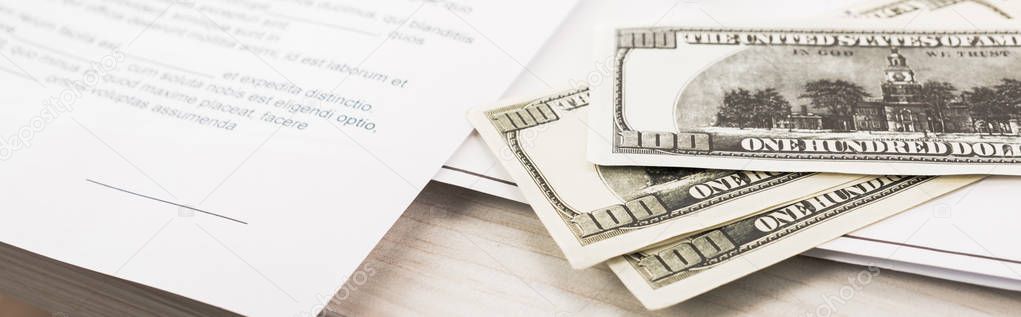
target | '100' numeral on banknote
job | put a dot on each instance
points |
(850, 101)
(689, 265)
(598, 212)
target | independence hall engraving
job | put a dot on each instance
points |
(906, 105)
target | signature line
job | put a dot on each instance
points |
(165, 201)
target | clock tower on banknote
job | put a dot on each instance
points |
(899, 85)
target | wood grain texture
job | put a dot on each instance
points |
(66, 290)
(460, 253)
(10, 307)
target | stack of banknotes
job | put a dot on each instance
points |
(712, 152)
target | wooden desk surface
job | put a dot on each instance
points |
(460, 253)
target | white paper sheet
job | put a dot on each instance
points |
(967, 239)
(247, 154)
(473, 167)
(971, 230)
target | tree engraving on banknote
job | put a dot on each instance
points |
(816, 95)
(682, 259)
(651, 195)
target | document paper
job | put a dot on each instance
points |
(246, 154)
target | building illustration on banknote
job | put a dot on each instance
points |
(936, 102)
(905, 104)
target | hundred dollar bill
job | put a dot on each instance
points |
(857, 100)
(893, 9)
(595, 213)
(684, 267)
